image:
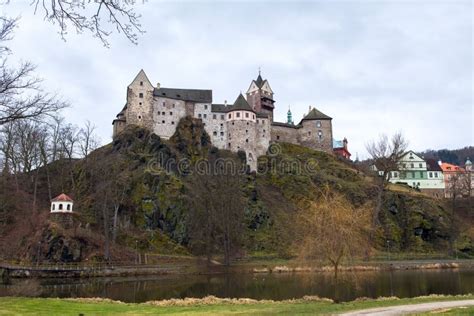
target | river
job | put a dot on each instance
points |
(276, 286)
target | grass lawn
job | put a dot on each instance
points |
(53, 306)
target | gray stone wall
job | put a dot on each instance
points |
(242, 136)
(285, 134)
(263, 135)
(139, 102)
(166, 115)
(316, 134)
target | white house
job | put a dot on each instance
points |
(420, 173)
(62, 204)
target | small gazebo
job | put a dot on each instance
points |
(62, 204)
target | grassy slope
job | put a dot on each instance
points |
(41, 306)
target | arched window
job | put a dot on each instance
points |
(54, 206)
(68, 207)
(318, 123)
(60, 206)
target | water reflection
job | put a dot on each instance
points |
(259, 286)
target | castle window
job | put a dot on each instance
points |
(139, 117)
(159, 113)
(199, 115)
(436, 174)
(140, 95)
(222, 133)
(246, 115)
(164, 103)
(230, 116)
(172, 122)
(248, 123)
(254, 116)
(139, 103)
(222, 116)
(54, 206)
(421, 174)
(222, 125)
(431, 174)
(205, 115)
(141, 83)
(214, 116)
(205, 106)
(60, 206)
(412, 165)
(238, 114)
(246, 131)
(68, 207)
(171, 113)
(163, 122)
(163, 113)
(233, 123)
(229, 145)
(421, 165)
(257, 121)
(320, 135)
(278, 137)
(318, 123)
(264, 131)
(246, 140)
(174, 105)
(309, 133)
(215, 133)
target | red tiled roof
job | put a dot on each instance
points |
(62, 198)
(447, 167)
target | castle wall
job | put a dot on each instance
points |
(214, 124)
(139, 102)
(263, 135)
(316, 136)
(166, 115)
(243, 135)
(285, 134)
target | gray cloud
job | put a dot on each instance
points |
(373, 66)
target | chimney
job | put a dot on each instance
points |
(225, 102)
(158, 85)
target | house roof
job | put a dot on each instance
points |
(316, 115)
(337, 144)
(432, 165)
(447, 167)
(223, 108)
(196, 95)
(259, 82)
(62, 198)
(241, 104)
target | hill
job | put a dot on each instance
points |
(137, 193)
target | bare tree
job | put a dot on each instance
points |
(332, 230)
(217, 214)
(21, 96)
(87, 140)
(386, 155)
(90, 16)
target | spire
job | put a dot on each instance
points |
(289, 116)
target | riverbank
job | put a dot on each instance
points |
(189, 265)
(205, 306)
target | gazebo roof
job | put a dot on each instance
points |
(62, 198)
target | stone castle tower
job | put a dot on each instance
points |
(246, 125)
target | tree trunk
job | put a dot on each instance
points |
(114, 232)
(106, 232)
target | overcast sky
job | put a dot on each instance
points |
(373, 66)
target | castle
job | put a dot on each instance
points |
(245, 125)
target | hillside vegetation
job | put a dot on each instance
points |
(137, 192)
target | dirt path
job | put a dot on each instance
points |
(408, 309)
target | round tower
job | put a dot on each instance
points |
(241, 126)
